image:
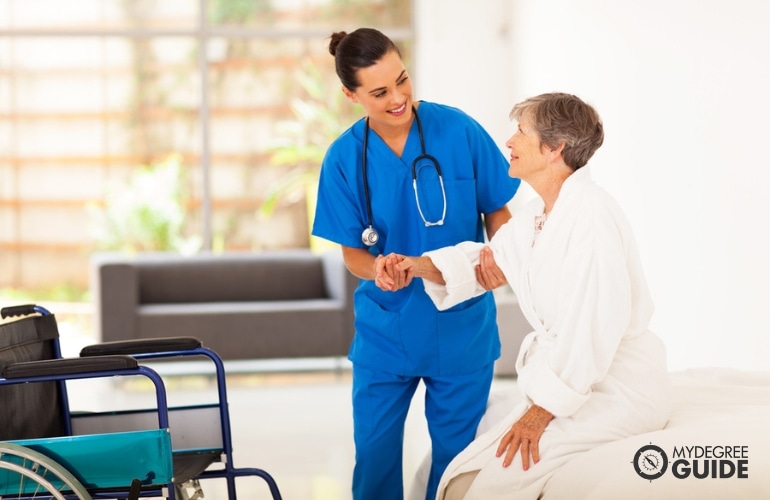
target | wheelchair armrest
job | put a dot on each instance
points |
(23, 310)
(141, 346)
(68, 366)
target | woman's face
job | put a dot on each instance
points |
(527, 155)
(385, 92)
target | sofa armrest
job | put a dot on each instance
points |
(341, 284)
(116, 297)
(334, 274)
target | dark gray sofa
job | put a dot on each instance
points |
(281, 304)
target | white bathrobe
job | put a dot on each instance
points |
(591, 360)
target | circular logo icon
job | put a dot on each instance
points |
(650, 462)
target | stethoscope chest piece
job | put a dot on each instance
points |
(370, 236)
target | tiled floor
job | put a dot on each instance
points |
(297, 426)
(290, 419)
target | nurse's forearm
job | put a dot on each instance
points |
(359, 262)
(362, 264)
(494, 220)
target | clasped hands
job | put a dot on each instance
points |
(394, 271)
(388, 275)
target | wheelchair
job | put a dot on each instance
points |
(49, 452)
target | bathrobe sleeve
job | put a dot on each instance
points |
(457, 265)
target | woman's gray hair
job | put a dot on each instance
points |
(564, 118)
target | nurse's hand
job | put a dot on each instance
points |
(388, 276)
(525, 435)
(488, 274)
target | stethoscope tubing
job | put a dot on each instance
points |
(370, 235)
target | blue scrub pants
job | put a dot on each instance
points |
(453, 408)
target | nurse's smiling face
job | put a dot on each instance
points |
(385, 92)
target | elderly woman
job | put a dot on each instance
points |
(591, 371)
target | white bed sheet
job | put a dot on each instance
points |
(712, 407)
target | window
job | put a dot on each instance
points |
(165, 125)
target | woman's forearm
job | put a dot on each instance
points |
(423, 267)
(494, 220)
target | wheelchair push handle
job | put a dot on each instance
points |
(23, 310)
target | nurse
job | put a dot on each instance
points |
(409, 177)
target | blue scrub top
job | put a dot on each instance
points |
(402, 332)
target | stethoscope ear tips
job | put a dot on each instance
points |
(370, 236)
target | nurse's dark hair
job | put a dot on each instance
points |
(360, 49)
(564, 118)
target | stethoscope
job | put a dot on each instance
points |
(370, 236)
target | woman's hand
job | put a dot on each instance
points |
(525, 435)
(488, 274)
(387, 274)
(421, 267)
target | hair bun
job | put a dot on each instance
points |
(336, 38)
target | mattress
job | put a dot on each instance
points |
(716, 445)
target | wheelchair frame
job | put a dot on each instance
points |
(156, 436)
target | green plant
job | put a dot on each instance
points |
(320, 115)
(58, 293)
(147, 213)
(237, 11)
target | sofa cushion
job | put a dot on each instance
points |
(253, 330)
(212, 278)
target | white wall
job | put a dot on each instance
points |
(682, 86)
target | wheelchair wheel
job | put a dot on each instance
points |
(25, 473)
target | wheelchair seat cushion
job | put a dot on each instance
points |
(189, 464)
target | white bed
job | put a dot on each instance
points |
(714, 407)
